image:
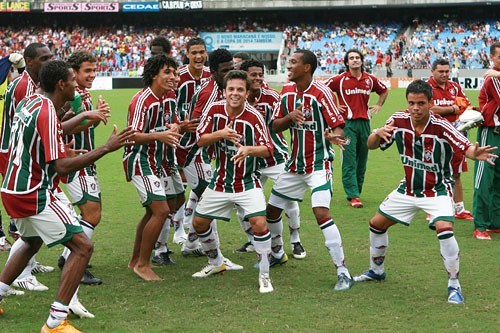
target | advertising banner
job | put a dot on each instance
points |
(243, 41)
(141, 7)
(11, 6)
(66, 7)
(178, 5)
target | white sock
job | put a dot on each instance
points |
(75, 296)
(276, 229)
(4, 289)
(58, 313)
(292, 213)
(189, 209)
(333, 243)
(459, 207)
(262, 245)
(379, 242)
(210, 244)
(450, 253)
(88, 229)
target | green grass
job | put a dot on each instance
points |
(412, 299)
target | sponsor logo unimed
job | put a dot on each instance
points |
(419, 165)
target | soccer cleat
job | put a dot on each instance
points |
(265, 285)
(79, 310)
(247, 247)
(163, 259)
(483, 235)
(64, 327)
(455, 295)
(5, 245)
(39, 268)
(273, 261)
(89, 279)
(60, 262)
(231, 266)
(195, 252)
(298, 251)
(343, 283)
(14, 292)
(356, 203)
(464, 215)
(30, 283)
(210, 270)
(493, 231)
(369, 275)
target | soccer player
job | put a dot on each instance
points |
(353, 88)
(264, 100)
(143, 161)
(239, 58)
(197, 165)
(426, 143)
(83, 186)
(160, 45)
(37, 158)
(445, 94)
(25, 85)
(486, 179)
(308, 109)
(239, 135)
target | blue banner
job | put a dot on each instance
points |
(243, 41)
(141, 7)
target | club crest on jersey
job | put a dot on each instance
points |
(452, 91)
(428, 155)
(367, 82)
(157, 183)
(307, 110)
(93, 186)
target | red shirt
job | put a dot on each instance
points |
(489, 101)
(446, 96)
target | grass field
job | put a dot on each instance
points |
(412, 299)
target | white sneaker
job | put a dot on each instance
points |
(30, 283)
(79, 310)
(265, 285)
(231, 266)
(210, 270)
(39, 268)
(15, 292)
(5, 245)
(196, 251)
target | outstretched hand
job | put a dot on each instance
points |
(228, 133)
(335, 139)
(70, 152)
(243, 152)
(483, 153)
(385, 133)
(124, 138)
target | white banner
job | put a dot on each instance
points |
(243, 41)
(102, 83)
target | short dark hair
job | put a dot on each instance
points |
(308, 58)
(217, 57)
(346, 58)
(419, 87)
(439, 62)
(76, 59)
(30, 51)
(195, 41)
(154, 65)
(237, 74)
(163, 42)
(242, 55)
(52, 72)
(494, 46)
(251, 63)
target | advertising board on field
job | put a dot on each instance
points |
(243, 41)
(66, 7)
(141, 7)
(181, 5)
(11, 6)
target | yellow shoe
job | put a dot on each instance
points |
(64, 327)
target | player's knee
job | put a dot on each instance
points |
(201, 224)
(258, 224)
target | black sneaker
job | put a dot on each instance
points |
(247, 247)
(61, 261)
(89, 279)
(163, 259)
(275, 261)
(298, 251)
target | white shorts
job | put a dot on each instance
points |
(402, 208)
(149, 188)
(173, 185)
(291, 186)
(198, 173)
(220, 205)
(84, 188)
(56, 224)
(270, 173)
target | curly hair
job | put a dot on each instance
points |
(162, 42)
(52, 72)
(217, 57)
(251, 63)
(154, 65)
(76, 59)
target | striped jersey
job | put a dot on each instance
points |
(251, 126)
(169, 160)
(187, 87)
(83, 139)
(354, 93)
(36, 141)
(208, 93)
(489, 101)
(310, 150)
(446, 96)
(265, 104)
(426, 156)
(147, 113)
(22, 86)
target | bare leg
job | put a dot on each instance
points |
(138, 238)
(18, 261)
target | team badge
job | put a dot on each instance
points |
(428, 155)
(367, 82)
(157, 183)
(452, 91)
(307, 111)
(93, 186)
